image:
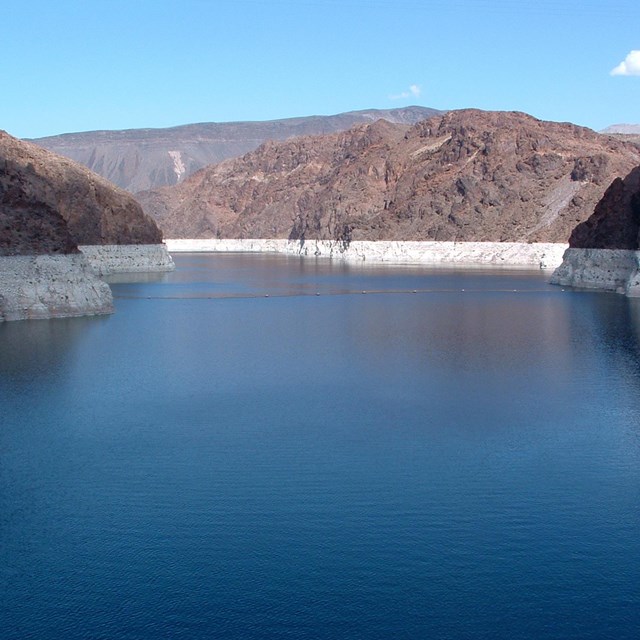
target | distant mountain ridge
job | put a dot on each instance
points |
(626, 129)
(141, 159)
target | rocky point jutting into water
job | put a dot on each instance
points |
(48, 207)
(604, 251)
(97, 213)
(465, 176)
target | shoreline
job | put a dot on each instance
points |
(106, 259)
(44, 286)
(600, 269)
(545, 255)
(51, 286)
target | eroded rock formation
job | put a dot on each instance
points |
(604, 250)
(95, 211)
(48, 207)
(615, 223)
(463, 176)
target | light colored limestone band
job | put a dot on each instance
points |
(50, 287)
(538, 255)
(128, 258)
(605, 269)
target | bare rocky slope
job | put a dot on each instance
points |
(29, 226)
(95, 211)
(49, 206)
(140, 159)
(615, 223)
(604, 250)
(465, 176)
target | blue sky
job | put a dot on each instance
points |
(112, 64)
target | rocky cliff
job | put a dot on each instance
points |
(464, 176)
(48, 207)
(95, 211)
(139, 159)
(615, 222)
(42, 273)
(604, 250)
(27, 225)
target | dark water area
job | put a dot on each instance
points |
(252, 447)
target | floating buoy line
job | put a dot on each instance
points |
(299, 294)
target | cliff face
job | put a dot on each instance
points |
(41, 191)
(615, 223)
(463, 176)
(603, 250)
(48, 206)
(50, 286)
(28, 226)
(139, 159)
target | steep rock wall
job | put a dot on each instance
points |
(50, 286)
(106, 259)
(604, 250)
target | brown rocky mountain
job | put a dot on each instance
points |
(615, 223)
(139, 159)
(626, 137)
(466, 175)
(29, 226)
(50, 204)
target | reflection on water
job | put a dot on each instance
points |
(459, 462)
(41, 348)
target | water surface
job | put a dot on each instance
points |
(252, 447)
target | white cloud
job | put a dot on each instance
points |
(413, 92)
(630, 66)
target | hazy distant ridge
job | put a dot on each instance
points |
(140, 159)
(628, 129)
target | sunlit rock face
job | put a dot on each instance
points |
(50, 286)
(464, 176)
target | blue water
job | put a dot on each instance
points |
(231, 455)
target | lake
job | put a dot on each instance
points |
(262, 446)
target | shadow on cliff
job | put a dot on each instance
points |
(615, 222)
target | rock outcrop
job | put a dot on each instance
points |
(127, 258)
(463, 176)
(141, 159)
(615, 222)
(604, 250)
(96, 212)
(50, 286)
(48, 205)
